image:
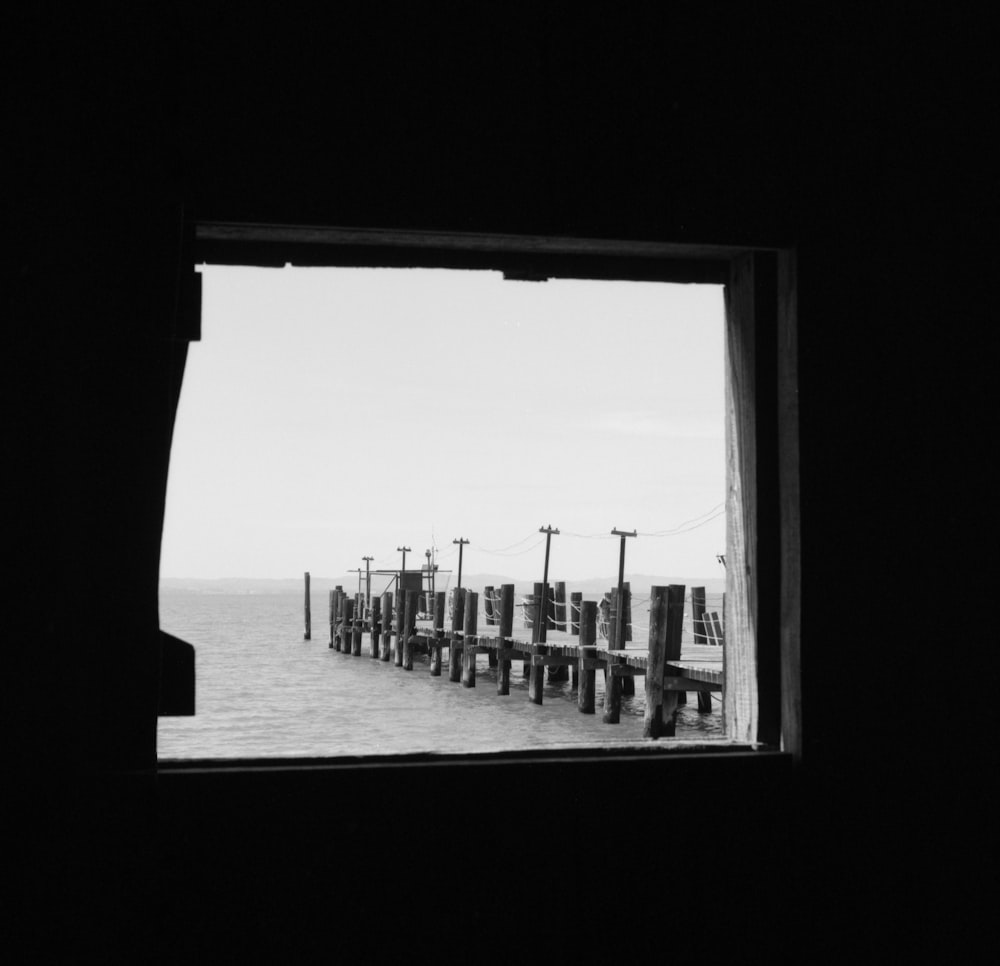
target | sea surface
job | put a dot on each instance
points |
(262, 691)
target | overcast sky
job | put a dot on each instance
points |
(329, 414)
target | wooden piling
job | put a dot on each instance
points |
(720, 637)
(557, 607)
(588, 650)
(575, 600)
(628, 683)
(469, 639)
(397, 654)
(409, 626)
(455, 648)
(612, 684)
(308, 635)
(440, 603)
(376, 625)
(653, 719)
(536, 608)
(536, 672)
(386, 625)
(337, 605)
(675, 626)
(357, 626)
(329, 614)
(492, 610)
(536, 681)
(560, 604)
(346, 625)
(698, 615)
(506, 632)
(613, 691)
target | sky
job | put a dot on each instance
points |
(330, 414)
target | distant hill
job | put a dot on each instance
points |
(592, 587)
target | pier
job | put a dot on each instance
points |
(572, 641)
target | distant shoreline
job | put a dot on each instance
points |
(640, 584)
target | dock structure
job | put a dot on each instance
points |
(670, 665)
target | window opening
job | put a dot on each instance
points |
(495, 416)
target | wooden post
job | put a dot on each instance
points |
(560, 601)
(613, 691)
(536, 681)
(338, 607)
(308, 636)
(397, 658)
(653, 720)
(469, 639)
(492, 611)
(329, 614)
(455, 649)
(558, 609)
(346, 625)
(704, 702)
(675, 625)
(537, 611)
(720, 635)
(376, 625)
(409, 626)
(612, 684)
(588, 635)
(575, 600)
(358, 625)
(506, 632)
(628, 683)
(536, 672)
(386, 624)
(698, 615)
(439, 607)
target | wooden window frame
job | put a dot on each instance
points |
(762, 698)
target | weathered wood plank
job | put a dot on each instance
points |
(739, 702)
(789, 504)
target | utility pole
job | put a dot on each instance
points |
(619, 621)
(368, 582)
(461, 541)
(541, 621)
(359, 579)
(404, 549)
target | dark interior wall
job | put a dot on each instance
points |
(851, 138)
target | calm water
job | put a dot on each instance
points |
(262, 691)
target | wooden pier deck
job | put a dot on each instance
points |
(670, 666)
(699, 666)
